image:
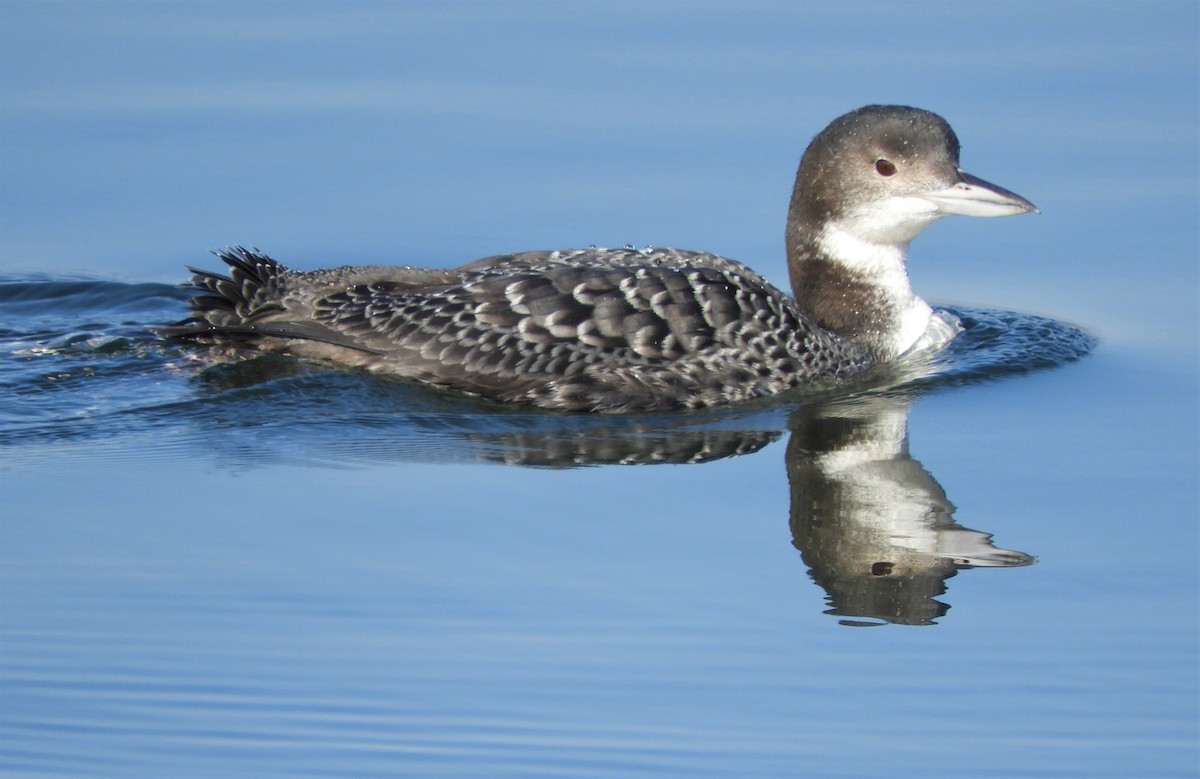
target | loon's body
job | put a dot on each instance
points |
(622, 330)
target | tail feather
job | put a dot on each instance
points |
(227, 304)
(250, 291)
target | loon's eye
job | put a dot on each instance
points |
(885, 167)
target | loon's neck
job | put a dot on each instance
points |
(857, 289)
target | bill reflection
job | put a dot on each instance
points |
(875, 529)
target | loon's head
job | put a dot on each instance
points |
(885, 173)
(868, 184)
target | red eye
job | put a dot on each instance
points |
(885, 168)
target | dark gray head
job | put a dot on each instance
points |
(882, 174)
(868, 184)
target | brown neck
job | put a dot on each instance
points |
(838, 298)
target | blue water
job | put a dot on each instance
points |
(979, 565)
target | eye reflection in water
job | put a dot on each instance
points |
(874, 527)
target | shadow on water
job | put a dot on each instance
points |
(83, 378)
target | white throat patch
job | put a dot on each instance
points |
(883, 266)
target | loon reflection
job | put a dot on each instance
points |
(874, 527)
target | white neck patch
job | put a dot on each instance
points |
(883, 265)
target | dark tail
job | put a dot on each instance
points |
(229, 305)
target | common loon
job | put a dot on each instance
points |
(640, 330)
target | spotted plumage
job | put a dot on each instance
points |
(592, 329)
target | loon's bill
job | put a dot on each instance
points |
(973, 196)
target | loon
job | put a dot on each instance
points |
(640, 330)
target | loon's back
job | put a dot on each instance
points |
(582, 330)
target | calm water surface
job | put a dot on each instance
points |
(980, 565)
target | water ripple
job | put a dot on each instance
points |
(82, 376)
